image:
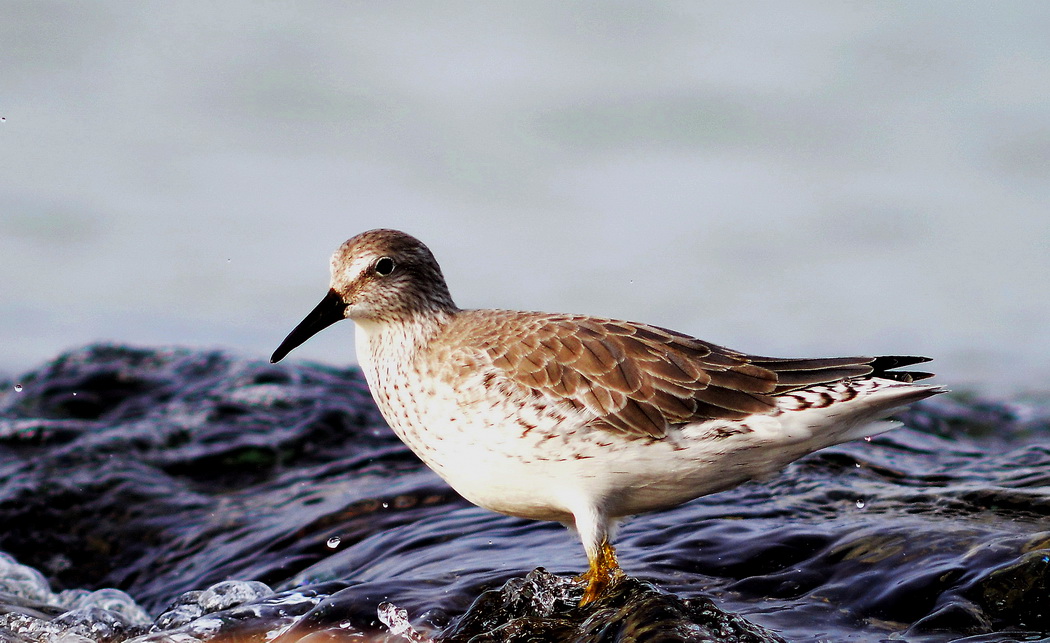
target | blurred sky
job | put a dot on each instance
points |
(784, 178)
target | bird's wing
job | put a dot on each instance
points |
(635, 378)
(640, 379)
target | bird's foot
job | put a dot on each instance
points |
(603, 573)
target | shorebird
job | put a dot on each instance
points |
(577, 419)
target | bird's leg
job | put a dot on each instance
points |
(604, 570)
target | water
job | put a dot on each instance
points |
(185, 493)
(803, 179)
(784, 179)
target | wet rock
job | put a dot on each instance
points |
(1016, 595)
(545, 607)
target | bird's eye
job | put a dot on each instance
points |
(384, 266)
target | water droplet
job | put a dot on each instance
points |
(860, 504)
(858, 465)
(396, 620)
(386, 505)
(18, 388)
(867, 438)
(334, 541)
(74, 393)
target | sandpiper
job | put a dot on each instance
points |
(577, 419)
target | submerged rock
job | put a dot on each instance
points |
(542, 606)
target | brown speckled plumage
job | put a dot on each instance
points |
(634, 378)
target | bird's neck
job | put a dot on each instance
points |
(398, 339)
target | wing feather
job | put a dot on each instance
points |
(640, 380)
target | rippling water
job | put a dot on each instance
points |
(151, 495)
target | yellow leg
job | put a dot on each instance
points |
(603, 572)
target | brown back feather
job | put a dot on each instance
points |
(641, 379)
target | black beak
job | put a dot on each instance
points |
(326, 313)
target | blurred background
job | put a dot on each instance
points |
(788, 179)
